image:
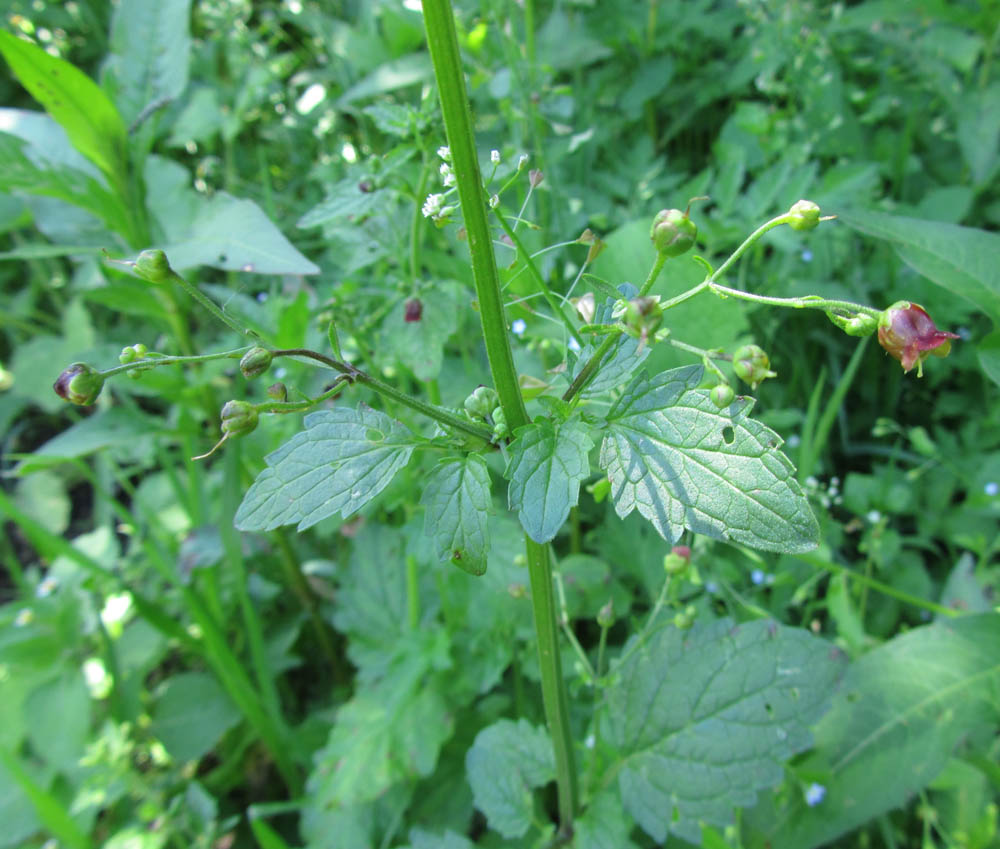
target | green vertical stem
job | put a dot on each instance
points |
(412, 592)
(443, 43)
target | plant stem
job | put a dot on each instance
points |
(443, 43)
(355, 375)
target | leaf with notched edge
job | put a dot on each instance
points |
(457, 503)
(340, 462)
(684, 463)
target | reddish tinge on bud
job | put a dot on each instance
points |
(79, 384)
(907, 332)
(413, 310)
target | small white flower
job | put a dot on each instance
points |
(432, 206)
(518, 326)
(873, 516)
(494, 201)
(522, 161)
(447, 175)
(495, 157)
(445, 153)
(24, 617)
(815, 793)
(992, 488)
(46, 587)
(794, 441)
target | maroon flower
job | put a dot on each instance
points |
(413, 309)
(907, 332)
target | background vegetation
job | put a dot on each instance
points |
(167, 681)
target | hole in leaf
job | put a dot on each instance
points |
(728, 435)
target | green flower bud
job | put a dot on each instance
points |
(481, 403)
(277, 392)
(255, 361)
(685, 619)
(79, 384)
(677, 562)
(238, 418)
(752, 365)
(673, 232)
(805, 215)
(153, 267)
(131, 353)
(722, 395)
(642, 316)
(500, 429)
(606, 615)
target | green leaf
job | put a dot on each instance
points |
(235, 235)
(150, 46)
(191, 714)
(419, 345)
(507, 760)
(345, 200)
(22, 169)
(704, 719)
(959, 259)
(340, 462)
(547, 463)
(604, 825)
(58, 714)
(388, 733)
(895, 722)
(684, 463)
(74, 100)
(457, 504)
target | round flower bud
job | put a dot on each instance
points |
(481, 403)
(673, 232)
(153, 267)
(500, 429)
(805, 215)
(908, 333)
(79, 384)
(642, 316)
(685, 619)
(238, 418)
(722, 395)
(413, 310)
(255, 362)
(277, 392)
(752, 365)
(606, 615)
(677, 562)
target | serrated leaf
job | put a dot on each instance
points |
(340, 462)
(378, 741)
(457, 504)
(892, 727)
(419, 345)
(507, 760)
(704, 719)
(74, 100)
(683, 463)
(547, 463)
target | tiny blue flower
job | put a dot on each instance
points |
(815, 793)
(807, 255)
(518, 326)
(992, 488)
(712, 587)
(757, 576)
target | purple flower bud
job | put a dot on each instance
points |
(413, 310)
(79, 384)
